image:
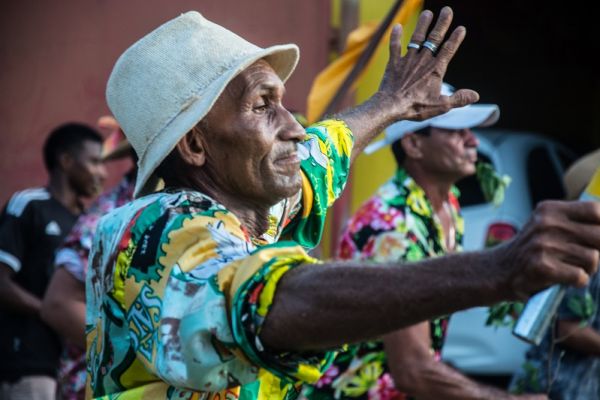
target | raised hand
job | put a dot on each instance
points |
(413, 82)
(411, 85)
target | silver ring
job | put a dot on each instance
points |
(413, 45)
(430, 46)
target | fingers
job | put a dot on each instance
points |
(442, 24)
(395, 42)
(449, 48)
(561, 244)
(580, 211)
(567, 274)
(463, 97)
(577, 222)
(420, 32)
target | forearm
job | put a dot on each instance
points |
(583, 339)
(15, 299)
(63, 307)
(323, 306)
(435, 380)
(367, 120)
(67, 319)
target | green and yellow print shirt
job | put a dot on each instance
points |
(177, 290)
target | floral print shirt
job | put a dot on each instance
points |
(178, 290)
(397, 223)
(73, 257)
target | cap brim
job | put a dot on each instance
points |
(472, 116)
(282, 58)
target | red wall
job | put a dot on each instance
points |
(55, 58)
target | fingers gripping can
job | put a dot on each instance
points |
(540, 309)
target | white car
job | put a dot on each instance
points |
(536, 165)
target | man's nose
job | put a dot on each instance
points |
(470, 138)
(291, 129)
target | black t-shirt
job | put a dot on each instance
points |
(32, 225)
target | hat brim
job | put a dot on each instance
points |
(282, 58)
(471, 116)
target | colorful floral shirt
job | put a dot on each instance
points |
(73, 257)
(178, 290)
(397, 223)
(559, 371)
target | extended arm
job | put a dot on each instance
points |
(13, 297)
(410, 88)
(416, 372)
(559, 245)
(63, 307)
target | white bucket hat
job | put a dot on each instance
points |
(166, 82)
(471, 116)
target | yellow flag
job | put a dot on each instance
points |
(327, 83)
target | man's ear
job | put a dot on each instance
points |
(412, 146)
(191, 148)
(66, 161)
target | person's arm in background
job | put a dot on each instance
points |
(415, 371)
(15, 227)
(63, 307)
(585, 340)
(13, 297)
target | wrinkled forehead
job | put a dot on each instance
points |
(259, 74)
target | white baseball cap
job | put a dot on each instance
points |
(471, 116)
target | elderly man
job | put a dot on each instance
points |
(190, 291)
(413, 216)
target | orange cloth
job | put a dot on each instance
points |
(327, 83)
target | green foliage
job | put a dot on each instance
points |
(503, 314)
(493, 185)
(582, 306)
(530, 382)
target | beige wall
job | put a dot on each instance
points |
(55, 58)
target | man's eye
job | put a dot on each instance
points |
(262, 107)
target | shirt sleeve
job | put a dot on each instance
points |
(325, 166)
(195, 315)
(75, 250)
(13, 233)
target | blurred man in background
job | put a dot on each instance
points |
(63, 307)
(413, 216)
(33, 223)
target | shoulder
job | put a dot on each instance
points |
(20, 200)
(169, 208)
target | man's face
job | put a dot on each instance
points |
(449, 153)
(250, 139)
(85, 171)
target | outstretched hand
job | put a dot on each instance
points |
(411, 85)
(413, 82)
(560, 244)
